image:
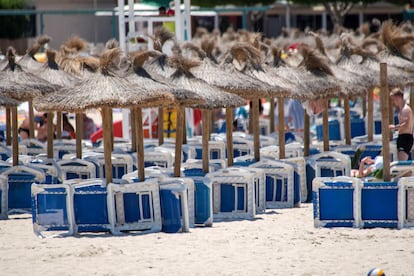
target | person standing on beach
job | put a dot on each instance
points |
(405, 124)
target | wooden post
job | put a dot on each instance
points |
(107, 125)
(178, 141)
(8, 126)
(79, 133)
(160, 126)
(325, 122)
(31, 120)
(364, 103)
(59, 125)
(272, 115)
(205, 138)
(281, 126)
(251, 117)
(256, 130)
(385, 119)
(140, 144)
(347, 121)
(370, 115)
(134, 132)
(306, 134)
(50, 135)
(184, 129)
(229, 136)
(111, 129)
(15, 141)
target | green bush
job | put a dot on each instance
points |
(13, 26)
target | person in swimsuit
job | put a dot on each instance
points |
(405, 124)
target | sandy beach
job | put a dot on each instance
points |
(279, 242)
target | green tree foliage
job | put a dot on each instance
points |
(13, 26)
(213, 3)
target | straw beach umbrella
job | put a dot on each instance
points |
(183, 78)
(320, 69)
(16, 73)
(104, 90)
(51, 72)
(231, 81)
(137, 74)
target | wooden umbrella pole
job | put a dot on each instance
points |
(15, 141)
(325, 122)
(31, 120)
(59, 125)
(229, 136)
(205, 138)
(347, 121)
(50, 135)
(281, 126)
(306, 134)
(79, 134)
(111, 129)
(178, 141)
(385, 118)
(160, 126)
(185, 129)
(370, 115)
(140, 144)
(107, 125)
(8, 126)
(256, 130)
(251, 119)
(272, 115)
(364, 104)
(134, 123)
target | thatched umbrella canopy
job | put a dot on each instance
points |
(28, 61)
(16, 73)
(352, 84)
(397, 46)
(105, 90)
(33, 85)
(183, 78)
(137, 74)
(234, 82)
(51, 72)
(320, 69)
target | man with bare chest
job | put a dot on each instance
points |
(405, 124)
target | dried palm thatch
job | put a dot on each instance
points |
(213, 97)
(8, 87)
(396, 76)
(326, 84)
(28, 61)
(14, 72)
(178, 71)
(233, 82)
(52, 73)
(104, 88)
(250, 61)
(161, 35)
(352, 84)
(397, 45)
(139, 76)
(345, 61)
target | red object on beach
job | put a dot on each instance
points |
(117, 128)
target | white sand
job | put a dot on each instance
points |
(280, 242)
